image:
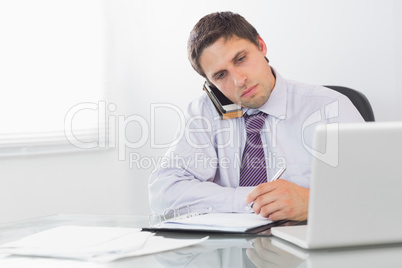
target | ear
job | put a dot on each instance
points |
(261, 45)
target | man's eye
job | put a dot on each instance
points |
(220, 76)
(241, 59)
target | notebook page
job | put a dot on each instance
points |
(230, 222)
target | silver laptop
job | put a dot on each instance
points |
(388, 256)
(355, 189)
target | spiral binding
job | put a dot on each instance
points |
(155, 219)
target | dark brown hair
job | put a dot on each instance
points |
(214, 26)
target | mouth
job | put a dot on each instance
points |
(248, 91)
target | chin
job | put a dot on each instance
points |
(254, 103)
(251, 105)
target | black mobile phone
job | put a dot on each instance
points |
(223, 103)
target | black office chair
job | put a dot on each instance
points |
(358, 99)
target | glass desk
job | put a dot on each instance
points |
(217, 251)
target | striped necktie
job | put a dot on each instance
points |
(253, 170)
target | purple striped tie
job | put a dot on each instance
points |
(253, 169)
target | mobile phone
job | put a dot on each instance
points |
(220, 100)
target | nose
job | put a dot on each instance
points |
(239, 78)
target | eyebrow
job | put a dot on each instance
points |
(233, 60)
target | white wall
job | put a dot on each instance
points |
(355, 43)
(349, 43)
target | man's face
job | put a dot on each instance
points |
(239, 70)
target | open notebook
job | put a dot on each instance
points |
(217, 222)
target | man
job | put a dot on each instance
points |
(204, 171)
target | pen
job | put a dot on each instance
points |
(274, 178)
(278, 174)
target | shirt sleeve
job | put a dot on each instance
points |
(184, 177)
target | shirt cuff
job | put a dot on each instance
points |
(239, 200)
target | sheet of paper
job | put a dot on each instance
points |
(101, 244)
(155, 244)
(78, 242)
(230, 222)
(71, 237)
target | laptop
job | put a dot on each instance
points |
(355, 188)
(370, 256)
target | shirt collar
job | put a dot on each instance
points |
(276, 104)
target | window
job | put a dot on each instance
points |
(52, 59)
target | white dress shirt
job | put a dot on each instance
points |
(202, 170)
